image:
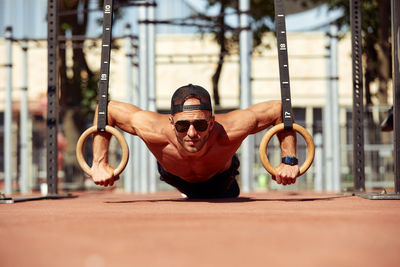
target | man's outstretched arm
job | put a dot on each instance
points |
(270, 113)
(119, 114)
(149, 126)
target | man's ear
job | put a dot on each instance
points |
(171, 121)
(211, 124)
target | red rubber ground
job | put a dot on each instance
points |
(258, 229)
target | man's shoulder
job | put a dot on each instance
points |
(152, 126)
(236, 119)
(233, 114)
(234, 126)
(150, 116)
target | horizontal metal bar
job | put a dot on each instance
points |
(295, 78)
(88, 10)
(63, 38)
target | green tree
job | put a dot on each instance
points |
(227, 36)
(375, 25)
(376, 44)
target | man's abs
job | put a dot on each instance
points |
(196, 169)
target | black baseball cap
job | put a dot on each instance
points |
(196, 91)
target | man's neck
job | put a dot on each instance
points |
(192, 155)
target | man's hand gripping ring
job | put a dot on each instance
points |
(280, 127)
(81, 141)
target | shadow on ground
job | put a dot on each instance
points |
(228, 200)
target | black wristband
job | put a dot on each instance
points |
(290, 160)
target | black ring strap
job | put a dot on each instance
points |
(280, 26)
(105, 65)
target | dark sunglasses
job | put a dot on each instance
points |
(183, 126)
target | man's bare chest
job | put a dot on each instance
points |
(195, 168)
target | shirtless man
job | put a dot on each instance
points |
(195, 149)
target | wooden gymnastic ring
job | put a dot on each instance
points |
(280, 127)
(81, 141)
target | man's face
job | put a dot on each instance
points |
(193, 139)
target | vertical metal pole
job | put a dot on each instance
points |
(318, 165)
(128, 175)
(396, 89)
(30, 155)
(152, 88)
(143, 68)
(52, 96)
(137, 160)
(335, 108)
(8, 115)
(24, 120)
(327, 121)
(358, 96)
(245, 42)
(309, 127)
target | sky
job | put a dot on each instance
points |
(304, 21)
(28, 17)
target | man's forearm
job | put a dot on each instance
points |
(288, 143)
(100, 147)
(118, 115)
(101, 140)
(287, 139)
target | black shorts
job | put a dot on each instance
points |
(221, 185)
